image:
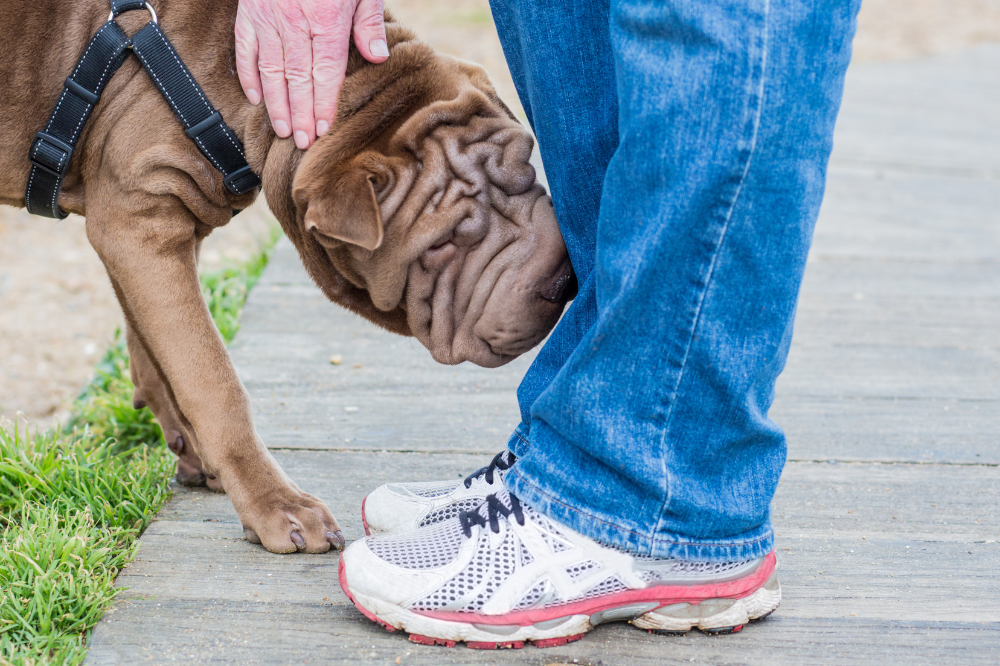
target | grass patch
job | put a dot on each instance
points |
(71, 510)
(73, 502)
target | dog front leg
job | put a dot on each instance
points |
(152, 390)
(151, 263)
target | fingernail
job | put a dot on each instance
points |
(336, 539)
(301, 140)
(253, 96)
(297, 539)
(378, 48)
(322, 127)
(282, 129)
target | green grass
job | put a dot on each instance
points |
(74, 501)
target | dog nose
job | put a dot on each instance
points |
(562, 286)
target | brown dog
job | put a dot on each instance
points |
(418, 211)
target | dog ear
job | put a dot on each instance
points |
(348, 211)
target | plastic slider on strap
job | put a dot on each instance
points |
(81, 92)
(51, 154)
(204, 126)
(242, 181)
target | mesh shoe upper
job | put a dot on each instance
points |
(403, 507)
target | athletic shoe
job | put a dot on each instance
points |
(404, 507)
(504, 575)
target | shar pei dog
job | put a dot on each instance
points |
(418, 211)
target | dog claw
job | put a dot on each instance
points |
(298, 540)
(336, 539)
(251, 535)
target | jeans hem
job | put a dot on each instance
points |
(756, 543)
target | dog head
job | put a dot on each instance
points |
(420, 211)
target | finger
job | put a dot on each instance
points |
(330, 52)
(297, 39)
(246, 57)
(271, 65)
(369, 31)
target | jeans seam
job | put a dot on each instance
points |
(654, 540)
(711, 270)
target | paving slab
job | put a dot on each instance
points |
(888, 514)
(861, 546)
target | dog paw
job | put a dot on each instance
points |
(302, 524)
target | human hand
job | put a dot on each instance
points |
(293, 55)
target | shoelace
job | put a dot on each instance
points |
(494, 509)
(498, 463)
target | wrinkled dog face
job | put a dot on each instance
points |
(443, 223)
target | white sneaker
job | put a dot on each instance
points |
(505, 575)
(404, 507)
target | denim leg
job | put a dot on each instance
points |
(654, 435)
(560, 58)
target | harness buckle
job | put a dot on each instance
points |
(51, 154)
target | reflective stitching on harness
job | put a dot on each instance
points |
(55, 113)
(236, 145)
(197, 88)
(64, 113)
(55, 197)
(210, 157)
(163, 38)
(159, 84)
(87, 51)
(31, 179)
(176, 107)
(79, 126)
(104, 74)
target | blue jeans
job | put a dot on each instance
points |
(685, 144)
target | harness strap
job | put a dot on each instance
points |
(52, 150)
(202, 123)
(122, 6)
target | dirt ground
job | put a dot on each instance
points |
(57, 310)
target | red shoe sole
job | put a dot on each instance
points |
(542, 643)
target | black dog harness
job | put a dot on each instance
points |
(52, 150)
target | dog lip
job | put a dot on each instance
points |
(562, 286)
